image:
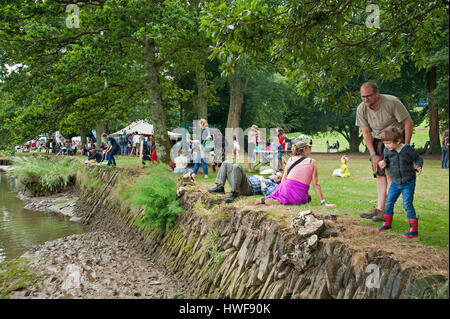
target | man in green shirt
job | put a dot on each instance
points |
(375, 113)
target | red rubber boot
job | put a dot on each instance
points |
(413, 232)
(386, 224)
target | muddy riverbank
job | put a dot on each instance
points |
(59, 203)
(96, 265)
(93, 265)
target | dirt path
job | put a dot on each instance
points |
(97, 265)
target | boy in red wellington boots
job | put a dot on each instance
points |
(403, 162)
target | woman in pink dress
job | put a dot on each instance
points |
(300, 171)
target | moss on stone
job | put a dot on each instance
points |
(17, 275)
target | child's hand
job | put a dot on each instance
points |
(418, 169)
(382, 164)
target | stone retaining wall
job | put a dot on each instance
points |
(242, 254)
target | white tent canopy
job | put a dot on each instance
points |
(143, 127)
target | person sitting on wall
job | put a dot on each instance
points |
(181, 163)
(72, 150)
(241, 184)
(301, 171)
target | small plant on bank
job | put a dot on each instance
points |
(214, 252)
(156, 191)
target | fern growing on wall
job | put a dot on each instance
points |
(156, 191)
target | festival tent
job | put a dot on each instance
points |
(143, 127)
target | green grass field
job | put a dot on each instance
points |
(357, 194)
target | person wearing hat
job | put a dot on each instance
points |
(300, 171)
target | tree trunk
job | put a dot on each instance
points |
(355, 139)
(100, 128)
(237, 86)
(83, 137)
(202, 95)
(156, 106)
(435, 145)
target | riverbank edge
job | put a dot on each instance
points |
(241, 254)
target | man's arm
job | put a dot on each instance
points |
(409, 125)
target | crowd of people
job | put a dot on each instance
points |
(135, 144)
(58, 146)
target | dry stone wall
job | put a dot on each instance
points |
(242, 254)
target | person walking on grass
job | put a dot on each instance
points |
(403, 162)
(252, 142)
(202, 153)
(445, 144)
(281, 148)
(375, 113)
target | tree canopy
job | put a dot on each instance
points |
(74, 65)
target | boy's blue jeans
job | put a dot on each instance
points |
(407, 191)
(444, 158)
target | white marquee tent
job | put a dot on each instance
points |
(143, 127)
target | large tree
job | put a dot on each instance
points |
(122, 47)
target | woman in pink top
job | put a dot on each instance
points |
(294, 186)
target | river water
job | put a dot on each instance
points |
(22, 229)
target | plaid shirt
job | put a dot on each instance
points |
(256, 186)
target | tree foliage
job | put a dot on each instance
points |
(323, 44)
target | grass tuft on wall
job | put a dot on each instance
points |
(45, 174)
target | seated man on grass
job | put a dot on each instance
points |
(241, 184)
